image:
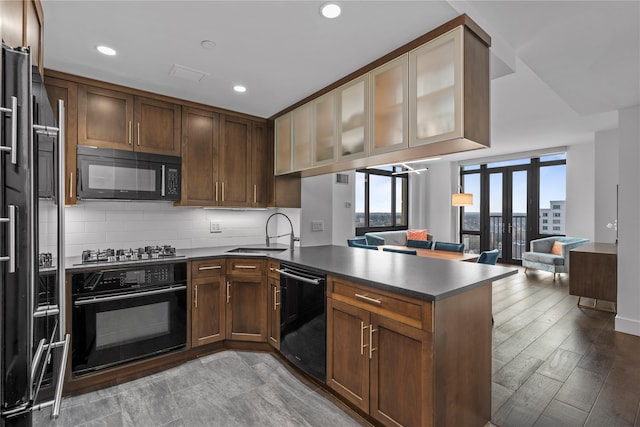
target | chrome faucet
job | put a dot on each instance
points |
(266, 231)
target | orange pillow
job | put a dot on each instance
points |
(416, 234)
(557, 248)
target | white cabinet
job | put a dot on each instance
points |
(353, 113)
(389, 93)
(436, 89)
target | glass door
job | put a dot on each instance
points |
(508, 212)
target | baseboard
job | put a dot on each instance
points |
(628, 326)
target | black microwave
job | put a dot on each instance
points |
(127, 175)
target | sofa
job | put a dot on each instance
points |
(396, 238)
(541, 258)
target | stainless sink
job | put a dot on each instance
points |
(256, 250)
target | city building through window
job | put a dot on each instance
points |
(381, 199)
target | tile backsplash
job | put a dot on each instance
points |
(118, 224)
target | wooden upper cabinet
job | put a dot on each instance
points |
(105, 118)
(157, 126)
(302, 136)
(261, 173)
(436, 89)
(113, 119)
(236, 186)
(68, 93)
(388, 92)
(200, 140)
(22, 24)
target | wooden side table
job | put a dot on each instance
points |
(593, 273)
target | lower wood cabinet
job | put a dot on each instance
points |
(208, 309)
(246, 308)
(379, 364)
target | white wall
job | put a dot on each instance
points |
(317, 205)
(581, 191)
(110, 224)
(430, 201)
(606, 179)
(628, 317)
(344, 209)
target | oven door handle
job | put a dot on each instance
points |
(96, 300)
(302, 279)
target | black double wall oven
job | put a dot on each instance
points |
(121, 314)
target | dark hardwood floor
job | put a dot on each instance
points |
(555, 364)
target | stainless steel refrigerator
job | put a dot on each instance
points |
(33, 342)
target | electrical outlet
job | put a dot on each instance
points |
(317, 225)
(214, 227)
(347, 205)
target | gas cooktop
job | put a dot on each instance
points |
(147, 253)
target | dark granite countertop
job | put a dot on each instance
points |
(419, 277)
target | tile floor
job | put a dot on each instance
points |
(230, 388)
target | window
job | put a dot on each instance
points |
(381, 200)
(556, 228)
(556, 214)
(556, 221)
(545, 214)
(545, 227)
(544, 221)
(555, 207)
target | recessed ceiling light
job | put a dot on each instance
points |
(330, 10)
(207, 44)
(106, 50)
(239, 88)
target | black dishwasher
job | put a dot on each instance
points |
(303, 319)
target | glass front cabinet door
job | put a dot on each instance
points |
(389, 92)
(353, 126)
(435, 89)
(283, 144)
(302, 136)
(325, 129)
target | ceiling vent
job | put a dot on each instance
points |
(187, 73)
(342, 178)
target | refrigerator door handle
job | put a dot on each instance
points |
(11, 257)
(13, 111)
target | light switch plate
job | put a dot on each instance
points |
(317, 225)
(214, 227)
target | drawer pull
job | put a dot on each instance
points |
(245, 267)
(210, 267)
(272, 269)
(366, 298)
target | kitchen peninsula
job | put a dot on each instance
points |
(408, 338)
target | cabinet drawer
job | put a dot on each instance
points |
(406, 310)
(271, 269)
(246, 266)
(207, 268)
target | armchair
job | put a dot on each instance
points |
(541, 257)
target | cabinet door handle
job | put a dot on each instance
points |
(210, 267)
(362, 344)
(276, 291)
(272, 269)
(216, 191)
(130, 131)
(366, 298)
(245, 267)
(228, 291)
(223, 191)
(371, 349)
(255, 193)
(196, 298)
(138, 134)
(71, 182)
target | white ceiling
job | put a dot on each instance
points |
(561, 69)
